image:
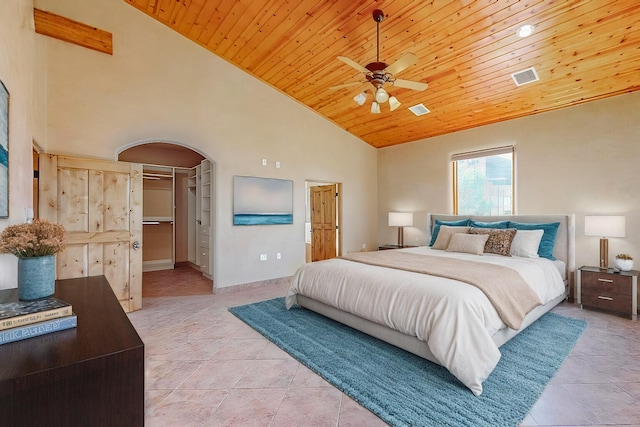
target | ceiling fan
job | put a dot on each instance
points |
(378, 73)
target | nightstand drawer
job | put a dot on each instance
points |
(606, 300)
(606, 282)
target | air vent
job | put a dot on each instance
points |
(419, 110)
(525, 76)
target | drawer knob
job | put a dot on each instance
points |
(605, 280)
(605, 298)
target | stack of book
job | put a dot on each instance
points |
(26, 319)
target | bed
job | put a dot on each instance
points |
(447, 315)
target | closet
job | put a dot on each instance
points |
(177, 217)
(158, 218)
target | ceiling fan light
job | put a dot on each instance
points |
(375, 107)
(381, 96)
(394, 103)
(360, 98)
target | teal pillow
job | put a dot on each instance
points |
(548, 241)
(438, 223)
(501, 225)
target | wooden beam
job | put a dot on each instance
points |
(65, 29)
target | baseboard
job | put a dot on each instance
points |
(157, 264)
(261, 283)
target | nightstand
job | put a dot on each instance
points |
(386, 247)
(603, 289)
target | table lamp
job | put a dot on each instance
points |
(400, 220)
(603, 227)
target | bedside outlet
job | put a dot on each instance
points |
(263, 257)
(278, 255)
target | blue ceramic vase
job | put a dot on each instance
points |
(36, 277)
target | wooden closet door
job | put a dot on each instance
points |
(100, 205)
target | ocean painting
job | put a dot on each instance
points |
(4, 151)
(262, 201)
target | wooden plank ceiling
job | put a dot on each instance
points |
(467, 50)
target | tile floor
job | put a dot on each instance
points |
(204, 367)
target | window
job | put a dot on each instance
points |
(483, 182)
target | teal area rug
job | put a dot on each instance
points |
(406, 390)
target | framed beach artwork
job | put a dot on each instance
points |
(262, 201)
(4, 151)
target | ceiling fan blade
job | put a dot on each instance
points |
(342, 86)
(408, 84)
(353, 64)
(405, 61)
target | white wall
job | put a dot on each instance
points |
(19, 65)
(158, 85)
(581, 160)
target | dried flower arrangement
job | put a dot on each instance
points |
(38, 238)
(624, 256)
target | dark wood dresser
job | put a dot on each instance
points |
(91, 375)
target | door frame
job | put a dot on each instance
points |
(307, 220)
(214, 196)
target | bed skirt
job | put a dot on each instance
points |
(411, 343)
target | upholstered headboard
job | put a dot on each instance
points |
(564, 248)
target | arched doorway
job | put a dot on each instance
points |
(178, 209)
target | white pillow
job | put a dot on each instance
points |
(468, 243)
(525, 243)
(444, 235)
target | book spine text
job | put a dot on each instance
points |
(41, 316)
(46, 327)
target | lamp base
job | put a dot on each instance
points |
(400, 237)
(604, 254)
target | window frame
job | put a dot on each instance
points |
(509, 149)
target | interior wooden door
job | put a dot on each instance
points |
(323, 222)
(100, 205)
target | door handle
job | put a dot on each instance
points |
(135, 245)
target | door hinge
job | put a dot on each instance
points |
(36, 174)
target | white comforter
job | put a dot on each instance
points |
(455, 319)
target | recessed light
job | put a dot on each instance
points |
(525, 30)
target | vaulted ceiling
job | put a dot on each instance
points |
(582, 50)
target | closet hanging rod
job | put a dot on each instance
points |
(149, 175)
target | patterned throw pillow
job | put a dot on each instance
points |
(499, 241)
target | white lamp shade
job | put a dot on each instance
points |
(393, 103)
(381, 96)
(604, 226)
(360, 98)
(400, 219)
(375, 107)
